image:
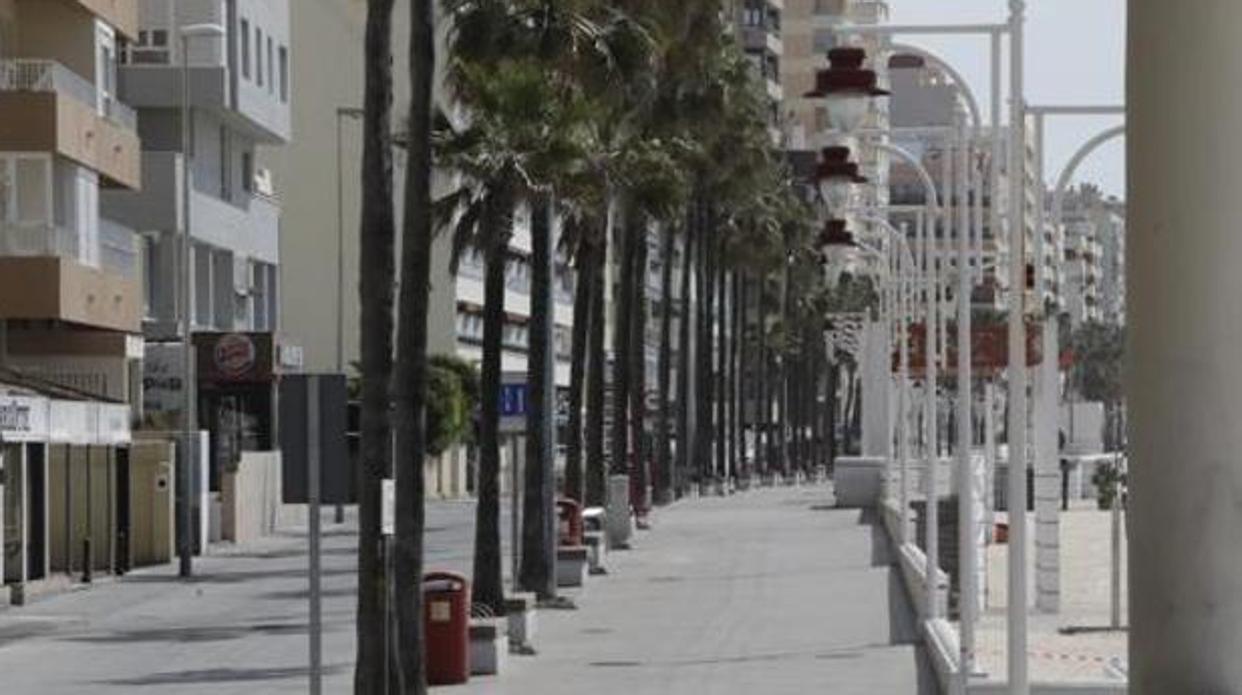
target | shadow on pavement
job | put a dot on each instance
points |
(234, 577)
(220, 675)
(191, 634)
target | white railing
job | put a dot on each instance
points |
(118, 249)
(30, 75)
(17, 239)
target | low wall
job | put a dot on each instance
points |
(250, 498)
(858, 481)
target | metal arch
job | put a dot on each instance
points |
(963, 87)
(928, 184)
(1058, 196)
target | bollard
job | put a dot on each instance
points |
(86, 560)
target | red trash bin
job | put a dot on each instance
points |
(569, 514)
(446, 623)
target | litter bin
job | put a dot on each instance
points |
(446, 624)
(569, 513)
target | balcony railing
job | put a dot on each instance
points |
(28, 75)
(32, 240)
(118, 250)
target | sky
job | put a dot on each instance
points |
(1075, 54)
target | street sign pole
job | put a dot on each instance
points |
(312, 483)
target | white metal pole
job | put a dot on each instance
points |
(184, 459)
(1017, 638)
(966, 476)
(931, 515)
(903, 396)
(314, 564)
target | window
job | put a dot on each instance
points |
(284, 75)
(150, 270)
(247, 172)
(151, 48)
(202, 285)
(258, 55)
(245, 48)
(271, 68)
(34, 195)
(226, 165)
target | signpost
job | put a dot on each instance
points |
(513, 403)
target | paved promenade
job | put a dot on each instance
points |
(755, 593)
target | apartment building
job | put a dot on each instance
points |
(70, 290)
(1093, 264)
(758, 26)
(232, 57)
(808, 30)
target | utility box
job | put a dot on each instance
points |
(152, 486)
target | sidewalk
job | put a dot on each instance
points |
(239, 626)
(1073, 646)
(759, 592)
(754, 593)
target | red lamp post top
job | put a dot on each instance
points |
(834, 165)
(845, 75)
(834, 233)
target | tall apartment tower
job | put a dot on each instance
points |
(70, 299)
(235, 64)
(759, 29)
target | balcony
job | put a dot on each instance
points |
(49, 108)
(762, 39)
(249, 226)
(52, 288)
(122, 14)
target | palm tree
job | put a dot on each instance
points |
(410, 379)
(662, 476)
(575, 487)
(376, 260)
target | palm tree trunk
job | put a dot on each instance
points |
(597, 378)
(705, 374)
(638, 362)
(662, 477)
(721, 324)
(620, 444)
(763, 404)
(410, 383)
(488, 586)
(830, 414)
(538, 571)
(583, 267)
(375, 292)
(739, 394)
(684, 347)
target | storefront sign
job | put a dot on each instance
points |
(234, 357)
(73, 422)
(23, 418)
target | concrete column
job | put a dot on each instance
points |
(877, 388)
(1183, 375)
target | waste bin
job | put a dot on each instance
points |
(569, 514)
(446, 624)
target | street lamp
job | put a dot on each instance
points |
(185, 547)
(846, 88)
(837, 176)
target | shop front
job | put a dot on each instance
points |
(65, 487)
